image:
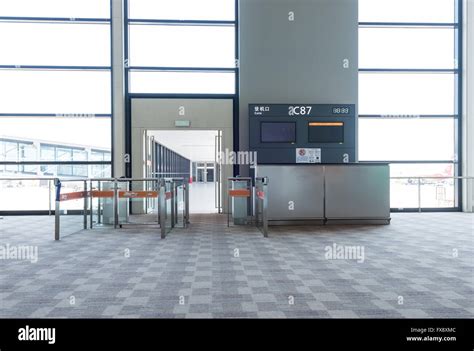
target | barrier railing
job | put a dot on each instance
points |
(261, 205)
(243, 201)
(75, 191)
(239, 200)
(91, 197)
(166, 201)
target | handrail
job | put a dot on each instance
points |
(96, 179)
(183, 178)
(29, 178)
(436, 177)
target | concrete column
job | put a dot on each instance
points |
(118, 88)
(468, 117)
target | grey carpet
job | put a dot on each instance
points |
(420, 266)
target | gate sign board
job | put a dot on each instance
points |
(303, 133)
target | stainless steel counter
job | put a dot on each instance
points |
(358, 193)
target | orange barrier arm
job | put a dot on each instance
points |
(102, 194)
(72, 196)
(137, 194)
(239, 193)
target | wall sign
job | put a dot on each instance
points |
(305, 155)
(299, 110)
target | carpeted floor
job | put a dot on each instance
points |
(419, 266)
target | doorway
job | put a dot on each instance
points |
(198, 150)
(168, 114)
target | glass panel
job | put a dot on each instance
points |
(56, 8)
(406, 139)
(406, 94)
(100, 171)
(210, 175)
(16, 151)
(55, 44)
(406, 11)
(182, 46)
(54, 139)
(99, 155)
(406, 48)
(27, 195)
(200, 175)
(183, 9)
(183, 82)
(56, 92)
(434, 193)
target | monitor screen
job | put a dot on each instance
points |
(326, 132)
(278, 132)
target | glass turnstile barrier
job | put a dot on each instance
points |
(126, 202)
(261, 205)
(70, 194)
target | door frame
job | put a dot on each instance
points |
(232, 133)
(128, 120)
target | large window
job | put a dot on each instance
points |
(409, 97)
(55, 94)
(182, 46)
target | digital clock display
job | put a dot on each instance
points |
(341, 110)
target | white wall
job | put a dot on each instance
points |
(468, 118)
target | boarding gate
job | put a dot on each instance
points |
(107, 202)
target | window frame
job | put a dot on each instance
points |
(128, 69)
(86, 164)
(458, 99)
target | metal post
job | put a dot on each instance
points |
(85, 204)
(115, 203)
(419, 195)
(99, 205)
(265, 207)
(162, 208)
(186, 203)
(172, 203)
(175, 195)
(256, 202)
(91, 206)
(49, 199)
(57, 220)
(249, 200)
(229, 187)
(183, 198)
(157, 189)
(57, 211)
